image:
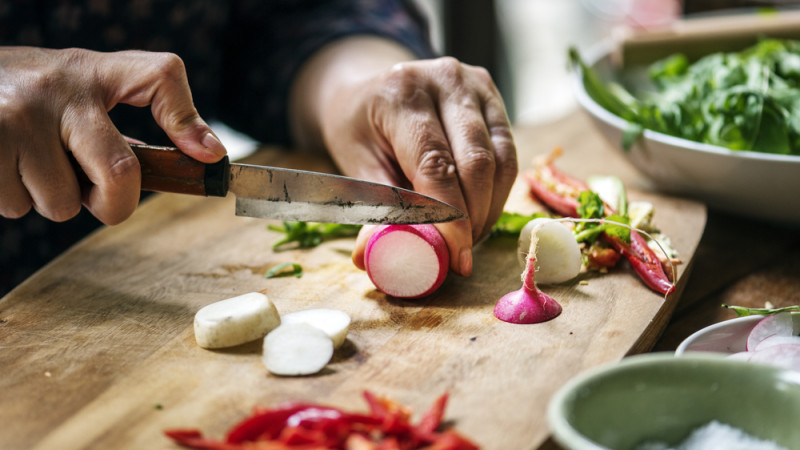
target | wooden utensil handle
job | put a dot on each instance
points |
(167, 169)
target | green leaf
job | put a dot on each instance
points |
(310, 234)
(511, 224)
(280, 270)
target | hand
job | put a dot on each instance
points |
(437, 126)
(55, 103)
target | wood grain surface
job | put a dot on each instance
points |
(98, 350)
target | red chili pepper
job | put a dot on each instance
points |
(314, 427)
(644, 261)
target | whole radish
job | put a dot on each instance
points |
(407, 261)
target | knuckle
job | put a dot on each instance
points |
(478, 160)
(123, 169)
(16, 210)
(169, 65)
(436, 163)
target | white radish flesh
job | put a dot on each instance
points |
(333, 322)
(777, 340)
(235, 321)
(407, 261)
(784, 355)
(775, 325)
(558, 256)
(296, 349)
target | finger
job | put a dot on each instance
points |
(360, 247)
(108, 162)
(506, 164)
(15, 201)
(427, 161)
(159, 80)
(473, 153)
(49, 179)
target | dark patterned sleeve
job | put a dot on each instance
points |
(271, 40)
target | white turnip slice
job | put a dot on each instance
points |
(782, 355)
(407, 261)
(528, 304)
(296, 349)
(335, 323)
(235, 321)
(558, 256)
(775, 325)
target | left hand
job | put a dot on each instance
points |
(436, 126)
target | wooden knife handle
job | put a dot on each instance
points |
(167, 169)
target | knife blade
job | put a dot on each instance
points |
(288, 194)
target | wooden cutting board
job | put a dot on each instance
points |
(98, 349)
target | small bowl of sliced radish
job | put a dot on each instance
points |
(658, 401)
(772, 339)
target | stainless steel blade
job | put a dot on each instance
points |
(298, 195)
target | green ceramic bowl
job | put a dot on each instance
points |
(658, 397)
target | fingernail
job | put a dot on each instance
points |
(213, 144)
(465, 261)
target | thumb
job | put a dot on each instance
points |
(159, 79)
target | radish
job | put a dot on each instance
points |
(407, 261)
(528, 304)
(777, 340)
(780, 324)
(558, 256)
(235, 321)
(296, 349)
(333, 322)
(783, 355)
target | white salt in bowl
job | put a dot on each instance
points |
(660, 398)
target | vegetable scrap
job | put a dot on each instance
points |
(387, 425)
(739, 100)
(285, 270)
(605, 233)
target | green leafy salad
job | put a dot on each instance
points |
(748, 100)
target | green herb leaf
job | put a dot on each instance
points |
(511, 224)
(280, 270)
(743, 100)
(310, 234)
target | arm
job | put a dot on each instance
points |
(438, 126)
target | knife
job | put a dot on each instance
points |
(287, 194)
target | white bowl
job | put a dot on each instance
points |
(758, 185)
(729, 336)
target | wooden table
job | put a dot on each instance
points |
(98, 350)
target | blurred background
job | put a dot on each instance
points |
(524, 43)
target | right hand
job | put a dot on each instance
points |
(56, 102)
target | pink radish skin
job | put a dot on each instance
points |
(528, 304)
(407, 261)
(775, 325)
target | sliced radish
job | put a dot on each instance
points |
(777, 340)
(235, 321)
(333, 322)
(296, 349)
(783, 355)
(780, 324)
(558, 256)
(407, 261)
